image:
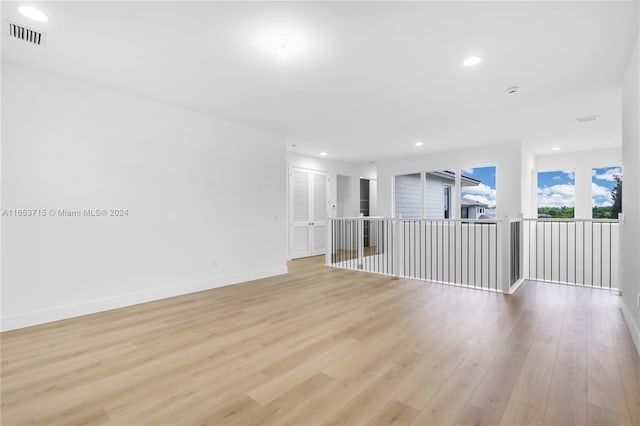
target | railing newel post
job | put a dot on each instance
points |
(397, 246)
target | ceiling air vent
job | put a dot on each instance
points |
(587, 118)
(26, 34)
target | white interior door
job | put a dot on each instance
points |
(308, 212)
(318, 213)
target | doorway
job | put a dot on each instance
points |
(308, 197)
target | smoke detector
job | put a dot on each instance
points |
(587, 118)
(511, 90)
(25, 34)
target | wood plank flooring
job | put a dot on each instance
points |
(332, 347)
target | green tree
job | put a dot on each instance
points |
(616, 195)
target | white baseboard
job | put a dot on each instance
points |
(516, 286)
(57, 313)
(631, 324)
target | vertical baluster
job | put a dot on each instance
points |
(475, 264)
(551, 260)
(529, 239)
(601, 261)
(455, 251)
(584, 243)
(437, 251)
(388, 245)
(592, 254)
(482, 256)
(495, 255)
(448, 252)
(333, 241)
(468, 249)
(575, 252)
(610, 268)
(420, 246)
(537, 222)
(544, 250)
(566, 247)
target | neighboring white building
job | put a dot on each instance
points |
(472, 209)
(439, 187)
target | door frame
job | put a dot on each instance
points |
(290, 215)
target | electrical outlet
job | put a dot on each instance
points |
(638, 301)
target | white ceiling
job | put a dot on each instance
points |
(363, 81)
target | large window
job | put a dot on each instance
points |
(557, 194)
(606, 192)
(438, 195)
(478, 193)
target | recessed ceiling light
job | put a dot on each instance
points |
(283, 48)
(33, 13)
(471, 61)
(419, 143)
(556, 148)
(324, 154)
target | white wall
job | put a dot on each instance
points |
(582, 162)
(343, 194)
(630, 235)
(206, 199)
(506, 157)
(529, 178)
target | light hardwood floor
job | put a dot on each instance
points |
(328, 346)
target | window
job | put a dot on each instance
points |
(478, 193)
(557, 194)
(447, 201)
(437, 196)
(433, 194)
(606, 192)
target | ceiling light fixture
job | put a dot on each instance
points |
(556, 148)
(419, 143)
(283, 52)
(471, 61)
(513, 89)
(33, 13)
(324, 154)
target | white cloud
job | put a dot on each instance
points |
(557, 195)
(609, 175)
(482, 192)
(481, 199)
(467, 171)
(481, 189)
(600, 203)
(600, 195)
(571, 174)
(556, 178)
(598, 191)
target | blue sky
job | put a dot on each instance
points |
(486, 191)
(602, 182)
(557, 189)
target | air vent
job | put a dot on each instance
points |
(26, 34)
(587, 118)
